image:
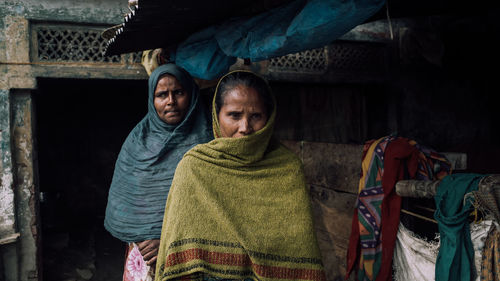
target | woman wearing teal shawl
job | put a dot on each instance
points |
(239, 206)
(175, 122)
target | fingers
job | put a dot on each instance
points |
(149, 250)
(145, 247)
(142, 244)
(149, 255)
(151, 261)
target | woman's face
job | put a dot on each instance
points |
(170, 100)
(243, 112)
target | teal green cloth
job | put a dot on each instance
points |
(455, 260)
(147, 162)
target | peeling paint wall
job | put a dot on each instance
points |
(8, 252)
(26, 209)
(20, 258)
(16, 69)
(90, 11)
(18, 210)
(7, 212)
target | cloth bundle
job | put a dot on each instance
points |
(415, 258)
(376, 217)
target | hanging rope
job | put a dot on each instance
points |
(389, 19)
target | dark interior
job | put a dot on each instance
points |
(81, 125)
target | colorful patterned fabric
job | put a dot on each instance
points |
(376, 218)
(431, 165)
(490, 264)
(369, 206)
(135, 268)
(240, 208)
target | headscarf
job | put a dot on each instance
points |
(147, 161)
(239, 208)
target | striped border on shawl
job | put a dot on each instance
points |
(236, 260)
(236, 264)
(209, 268)
(250, 252)
(204, 242)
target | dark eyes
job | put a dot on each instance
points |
(237, 115)
(164, 94)
(256, 116)
(178, 92)
(234, 115)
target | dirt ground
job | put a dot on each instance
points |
(89, 255)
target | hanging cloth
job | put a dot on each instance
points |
(415, 257)
(297, 26)
(455, 260)
(490, 264)
(376, 218)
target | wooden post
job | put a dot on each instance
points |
(417, 188)
(427, 189)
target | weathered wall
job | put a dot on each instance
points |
(8, 253)
(26, 209)
(16, 68)
(89, 11)
(332, 172)
(18, 210)
(18, 188)
(334, 113)
(7, 212)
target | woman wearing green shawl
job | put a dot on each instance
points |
(175, 122)
(239, 207)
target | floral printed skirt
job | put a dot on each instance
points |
(135, 268)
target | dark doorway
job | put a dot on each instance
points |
(81, 125)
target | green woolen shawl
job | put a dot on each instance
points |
(239, 208)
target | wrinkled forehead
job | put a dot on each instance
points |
(172, 81)
(257, 88)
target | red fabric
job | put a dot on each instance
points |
(398, 155)
(353, 250)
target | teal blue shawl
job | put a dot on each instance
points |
(147, 161)
(455, 260)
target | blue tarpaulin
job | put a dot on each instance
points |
(298, 26)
